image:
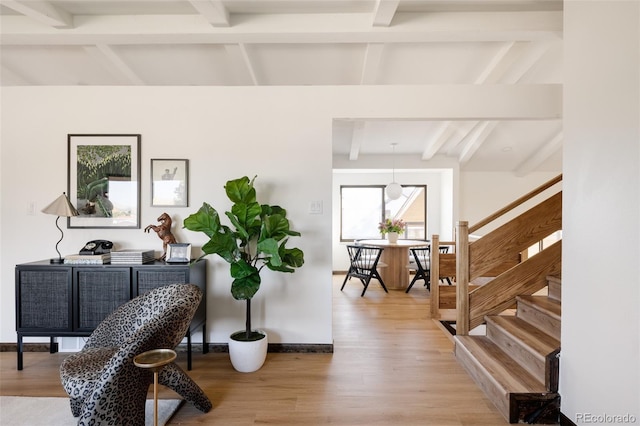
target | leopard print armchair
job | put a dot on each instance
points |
(104, 386)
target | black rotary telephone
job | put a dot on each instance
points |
(97, 247)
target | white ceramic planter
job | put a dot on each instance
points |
(247, 357)
(392, 237)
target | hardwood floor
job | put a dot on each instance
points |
(391, 365)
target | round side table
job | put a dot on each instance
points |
(155, 359)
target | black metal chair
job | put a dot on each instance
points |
(363, 264)
(420, 262)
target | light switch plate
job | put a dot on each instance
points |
(315, 207)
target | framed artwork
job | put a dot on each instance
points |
(169, 183)
(178, 253)
(104, 180)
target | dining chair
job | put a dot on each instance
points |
(420, 262)
(363, 264)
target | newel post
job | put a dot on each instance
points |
(434, 276)
(462, 279)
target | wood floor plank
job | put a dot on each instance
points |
(391, 364)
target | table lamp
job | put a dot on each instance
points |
(61, 206)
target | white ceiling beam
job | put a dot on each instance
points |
(479, 134)
(384, 11)
(445, 131)
(371, 66)
(243, 67)
(214, 11)
(287, 29)
(530, 54)
(357, 139)
(534, 161)
(8, 76)
(114, 63)
(439, 138)
(495, 62)
(502, 60)
(447, 128)
(41, 11)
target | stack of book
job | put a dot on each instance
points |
(128, 257)
(87, 259)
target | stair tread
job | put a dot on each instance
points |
(510, 376)
(550, 306)
(530, 336)
(555, 278)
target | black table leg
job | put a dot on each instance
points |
(205, 346)
(189, 350)
(20, 352)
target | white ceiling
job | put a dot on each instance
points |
(310, 42)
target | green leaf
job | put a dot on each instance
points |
(291, 258)
(206, 220)
(275, 226)
(241, 190)
(223, 244)
(246, 280)
(245, 217)
(270, 248)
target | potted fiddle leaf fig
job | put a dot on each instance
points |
(256, 239)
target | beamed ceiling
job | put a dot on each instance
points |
(311, 42)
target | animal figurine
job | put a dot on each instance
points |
(164, 232)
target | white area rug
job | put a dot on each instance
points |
(28, 411)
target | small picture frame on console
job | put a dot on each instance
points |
(178, 253)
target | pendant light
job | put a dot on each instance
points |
(394, 189)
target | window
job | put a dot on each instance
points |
(362, 208)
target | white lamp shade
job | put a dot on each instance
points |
(61, 206)
(394, 190)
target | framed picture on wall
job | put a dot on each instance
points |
(169, 183)
(104, 180)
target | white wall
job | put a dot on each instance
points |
(484, 193)
(225, 134)
(282, 134)
(600, 358)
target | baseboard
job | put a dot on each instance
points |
(196, 348)
(282, 348)
(28, 347)
(566, 421)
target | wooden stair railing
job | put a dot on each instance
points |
(442, 265)
(494, 254)
(516, 203)
(525, 278)
(499, 251)
(501, 248)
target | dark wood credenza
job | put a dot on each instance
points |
(71, 300)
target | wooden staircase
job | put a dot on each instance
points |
(516, 362)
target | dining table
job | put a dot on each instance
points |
(396, 258)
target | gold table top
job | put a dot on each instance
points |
(155, 358)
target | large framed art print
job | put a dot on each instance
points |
(104, 180)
